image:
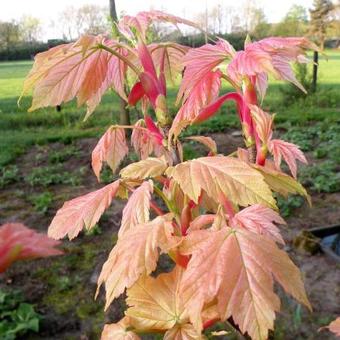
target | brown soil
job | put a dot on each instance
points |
(62, 288)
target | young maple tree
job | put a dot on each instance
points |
(216, 216)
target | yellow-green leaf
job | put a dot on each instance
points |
(239, 182)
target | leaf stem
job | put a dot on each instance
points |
(156, 208)
(121, 57)
(160, 193)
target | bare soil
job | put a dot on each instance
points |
(62, 288)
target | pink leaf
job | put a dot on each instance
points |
(84, 211)
(334, 326)
(204, 92)
(142, 140)
(78, 69)
(111, 148)
(17, 242)
(135, 253)
(172, 54)
(142, 20)
(269, 56)
(263, 123)
(199, 62)
(259, 219)
(290, 153)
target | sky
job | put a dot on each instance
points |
(48, 10)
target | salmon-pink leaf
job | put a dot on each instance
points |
(289, 152)
(199, 62)
(201, 95)
(111, 148)
(84, 211)
(269, 56)
(168, 58)
(260, 220)
(80, 69)
(17, 242)
(124, 267)
(142, 140)
(334, 326)
(142, 20)
(237, 266)
(263, 123)
(160, 309)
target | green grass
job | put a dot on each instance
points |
(20, 129)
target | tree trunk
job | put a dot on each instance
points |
(315, 70)
(124, 114)
(113, 12)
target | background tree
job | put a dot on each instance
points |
(30, 28)
(333, 29)
(295, 23)
(9, 34)
(87, 19)
(320, 17)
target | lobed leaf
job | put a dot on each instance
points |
(201, 61)
(202, 94)
(142, 20)
(84, 211)
(137, 209)
(80, 69)
(237, 266)
(334, 326)
(235, 179)
(119, 331)
(269, 56)
(281, 183)
(207, 141)
(289, 152)
(111, 148)
(167, 57)
(259, 219)
(161, 309)
(124, 266)
(150, 167)
(263, 123)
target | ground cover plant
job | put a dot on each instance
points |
(214, 216)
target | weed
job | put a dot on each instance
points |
(42, 202)
(51, 175)
(9, 174)
(287, 206)
(59, 156)
(16, 317)
(322, 177)
(96, 230)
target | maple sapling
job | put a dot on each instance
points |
(218, 219)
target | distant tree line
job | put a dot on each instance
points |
(22, 39)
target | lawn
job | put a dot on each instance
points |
(45, 160)
(20, 129)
